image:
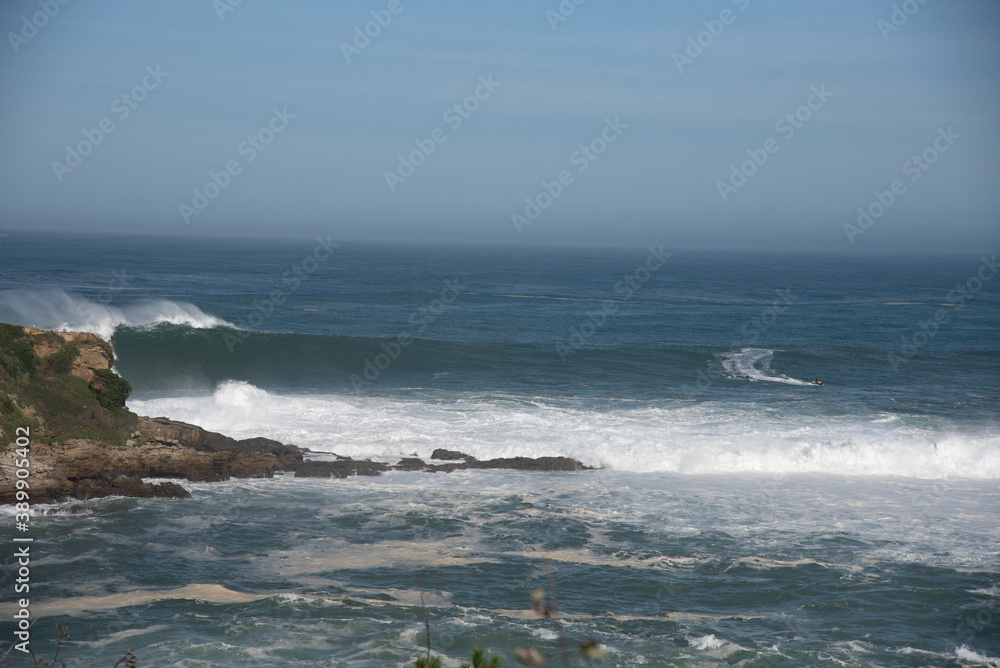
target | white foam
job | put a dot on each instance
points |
(706, 642)
(56, 309)
(963, 653)
(992, 591)
(755, 363)
(683, 438)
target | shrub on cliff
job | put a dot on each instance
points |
(112, 391)
(11, 418)
(17, 355)
(55, 405)
(61, 362)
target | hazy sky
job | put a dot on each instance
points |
(885, 81)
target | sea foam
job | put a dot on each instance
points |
(702, 438)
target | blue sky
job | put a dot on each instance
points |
(658, 182)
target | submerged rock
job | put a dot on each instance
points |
(516, 463)
(340, 469)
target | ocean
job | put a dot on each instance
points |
(735, 514)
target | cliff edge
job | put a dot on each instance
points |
(57, 390)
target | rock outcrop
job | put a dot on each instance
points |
(514, 463)
(243, 457)
(160, 448)
(94, 353)
(346, 467)
(450, 455)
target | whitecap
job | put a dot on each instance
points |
(58, 310)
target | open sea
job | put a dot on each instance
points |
(737, 514)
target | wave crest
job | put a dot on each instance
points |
(56, 309)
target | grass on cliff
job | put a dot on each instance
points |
(59, 406)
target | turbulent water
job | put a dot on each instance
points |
(739, 514)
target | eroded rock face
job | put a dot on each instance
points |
(95, 352)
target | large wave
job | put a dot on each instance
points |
(56, 309)
(179, 358)
(694, 438)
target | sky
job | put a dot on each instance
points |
(730, 124)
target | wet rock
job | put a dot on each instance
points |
(451, 455)
(410, 464)
(118, 483)
(528, 464)
(514, 463)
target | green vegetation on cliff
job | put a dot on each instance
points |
(41, 393)
(112, 391)
(17, 354)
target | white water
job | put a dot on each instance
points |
(755, 364)
(56, 309)
(684, 438)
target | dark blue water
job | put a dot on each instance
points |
(535, 320)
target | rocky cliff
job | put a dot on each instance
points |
(81, 447)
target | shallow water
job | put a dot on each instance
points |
(664, 570)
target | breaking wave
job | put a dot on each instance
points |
(56, 309)
(704, 438)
